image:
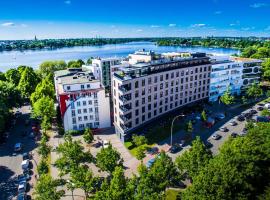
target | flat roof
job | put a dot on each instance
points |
(78, 78)
(240, 59)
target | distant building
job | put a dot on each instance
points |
(82, 100)
(102, 68)
(233, 73)
(144, 91)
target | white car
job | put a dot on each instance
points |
(22, 187)
(267, 106)
(216, 136)
(233, 123)
(105, 143)
(25, 164)
(18, 147)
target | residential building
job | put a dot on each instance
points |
(144, 91)
(234, 73)
(225, 74)
(82, 100)
(143, 56)
(102, 68)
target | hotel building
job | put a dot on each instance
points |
(82, 100)
(144, 91)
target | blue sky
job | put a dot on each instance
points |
(23, 19)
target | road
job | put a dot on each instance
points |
(10, 163)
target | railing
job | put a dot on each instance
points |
(124, 88)
(124, 118)
(124, 99)
(124, 108)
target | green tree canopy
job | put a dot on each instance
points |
(28, 82)
(44, 89)
(88, 135)
(227, 98)
(46, 189)
(266, 69)
(254, 91)
(194, 159)
(139, 140)
(10, 95)
(108, 159)
(13, 76)
(47, 68)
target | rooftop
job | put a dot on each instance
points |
(240, 59)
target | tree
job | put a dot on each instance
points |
(44, 109)
(254, 91)
(10, 95)
(108, 158)
(193, 160)
(140, 153)
(44, 89)
(2, 76)
(139, 140)
(265, 113)
(43, 167)
(244, 100)
(43, 148)
(267, 93)
(88, 135)
(239, 171)
(74, 64)
(28, 82)
(227, 98)
(82, 177)
(89, 61)
(116, 189)
(46, 189)
(266, 69)
(203, 116)
(13, 76)
(47, 68)
(189, 127)
(72, 155)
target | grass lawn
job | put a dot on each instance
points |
(154, 135)
(171, 194)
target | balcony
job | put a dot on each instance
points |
(124, 88)
(125, 98)
(125, 118)
(125, 108)
(125, 127)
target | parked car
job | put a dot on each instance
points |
(21, 178)
(27, 175)
(182, 143)
(253, 112)
(153, 150)
(242, 133)
(216, 136)
(150, 162)
(22, 187)
(260, 108)
(262, 119)
(175, 148)
(105, 144)
(234, 135)
(267, 106)
(26, 156)
(241, 118)
(233, 123)
(18, 147)
(224, 129)
(219, 116)
(207, 144)
(261, 104)
(22, 196)
(25, 164)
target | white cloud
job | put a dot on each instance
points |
(24, 25)
(258, 5)
(139, 30)
(218, 12)
(232, 24)
(6, 24)
(198, 25)
(172, 25)
(248, 28)
(68, 2)
(155, 26)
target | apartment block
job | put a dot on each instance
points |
(143, 92)
(82, 100)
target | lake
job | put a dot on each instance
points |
(10, 59)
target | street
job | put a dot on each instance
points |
(10, 162)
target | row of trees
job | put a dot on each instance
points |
(239, 171)
(60, 43)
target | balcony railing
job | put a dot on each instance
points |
(124, 88)
(124, 127)
(125, 118)
(124, 98)
(125, 108)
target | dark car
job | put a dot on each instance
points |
(26, 156)
(241, 118)
(253, 112)
(234, 135)
(260, 108)
(153, 150)
(175, 148)
(207, 144)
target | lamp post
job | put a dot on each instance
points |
(181, 115)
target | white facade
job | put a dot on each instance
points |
(224, 75)
(82, 100)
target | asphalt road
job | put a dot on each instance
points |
(10, 163)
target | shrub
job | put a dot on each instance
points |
(88, 135)
(43, 167)
(74, 132)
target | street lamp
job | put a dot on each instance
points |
(172, 125)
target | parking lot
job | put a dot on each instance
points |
(10, 162)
